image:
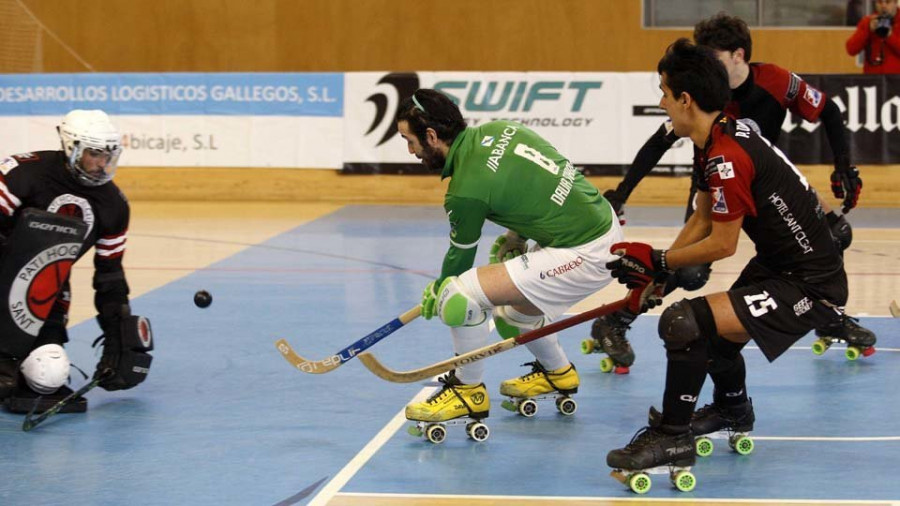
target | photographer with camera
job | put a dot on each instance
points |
(879, 36)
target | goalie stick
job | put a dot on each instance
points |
(895, 309)
(490, 350)
(33, 421)
(333, 362)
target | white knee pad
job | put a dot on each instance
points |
(46, 368)
(511, 323)
(461, 302)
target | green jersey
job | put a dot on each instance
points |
(506, 173)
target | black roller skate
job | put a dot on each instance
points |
(655, 449)
(860, 340)
(736, 421)
(608, 336)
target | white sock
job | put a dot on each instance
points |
(548, 352)
(466, 339)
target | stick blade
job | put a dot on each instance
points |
(378, 369)
(895, 309)
(307, 366)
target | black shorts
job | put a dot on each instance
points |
(777, 311)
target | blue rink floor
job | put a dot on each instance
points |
(223, 419)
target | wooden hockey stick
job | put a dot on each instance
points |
(33, 421)
(895, 309)
(333, 362)
(490, 350)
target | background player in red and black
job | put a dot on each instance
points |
(761, 95)
(77, 182)
(796, 281)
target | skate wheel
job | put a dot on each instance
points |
(607, 365)
(478, 431)
(639, 483)
(819, 346)
(436, 433)
(508, 404)
(566, 405)
(868, 351)
(621, 369)
(527, 408)
(704, 446)
(414, 430)
(587, 346)
(741, 443)
(852, 353)
(684, 481)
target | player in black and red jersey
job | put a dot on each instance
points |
(39, 248)
(761, 94)
(795, 283)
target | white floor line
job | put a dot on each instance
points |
(850, 439)
(513, 499)
(352, 467)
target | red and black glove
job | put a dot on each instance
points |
(847, 185)
(638, 265)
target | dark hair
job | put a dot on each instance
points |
(724, 33)
(696, 70)
(428, 108)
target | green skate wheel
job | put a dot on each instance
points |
(741, 444)
(436, 433)
(852, 353)
(414, 430)
(704, 446)
(684, 481)
(819, 346)
(587, 346)
(607, 365)
(639, 483)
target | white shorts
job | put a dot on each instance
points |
(555, 279)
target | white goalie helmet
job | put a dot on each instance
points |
(92, 145)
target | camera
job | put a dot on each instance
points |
(883, 25)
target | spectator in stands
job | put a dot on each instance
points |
(878, 34)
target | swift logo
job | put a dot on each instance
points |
(404, 85)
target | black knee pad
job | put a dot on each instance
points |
(694, 277)
(841, 232)
(686, 323)
(724, 355)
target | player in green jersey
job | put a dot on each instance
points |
(503, 172)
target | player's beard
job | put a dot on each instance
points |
(432, 158)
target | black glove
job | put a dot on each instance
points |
(125, 362)
(847, 185)
(617, 201)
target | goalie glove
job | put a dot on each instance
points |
(127, 340)
(506, 248)
(429, 297)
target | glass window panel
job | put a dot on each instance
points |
(670, 13)
(804, 12)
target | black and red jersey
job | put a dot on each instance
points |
(748, 178)
(41, 180)
(766, 95)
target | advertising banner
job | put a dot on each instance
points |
(186, 119)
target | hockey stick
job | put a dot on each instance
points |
(333, 362)
(31, 423)
(895, 309)
(490, 350)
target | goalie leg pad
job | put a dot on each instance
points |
(510, 323)
(461, 302)
(46, 368)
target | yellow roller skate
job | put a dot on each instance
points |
(454, 404)
(540, 384)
